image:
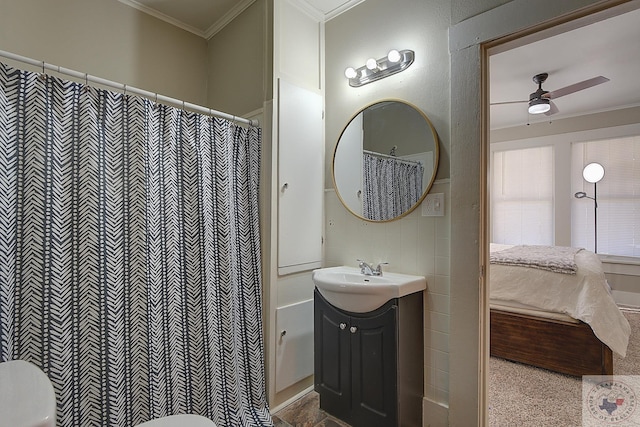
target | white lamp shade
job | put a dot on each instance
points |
(593, 172)
(372, 64)
(350, 73)
(539, 106)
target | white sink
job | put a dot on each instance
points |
(347, 288)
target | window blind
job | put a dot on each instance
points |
(522, 196)
(618, 195)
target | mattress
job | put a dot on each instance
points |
(584, 296)
(515, 307)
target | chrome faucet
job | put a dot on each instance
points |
(367, 270)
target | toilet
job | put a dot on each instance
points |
(27, 399)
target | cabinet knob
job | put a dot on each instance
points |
(353, 329)
(343, 325)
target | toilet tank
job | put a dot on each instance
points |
(27, 398)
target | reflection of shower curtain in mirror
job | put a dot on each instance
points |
(391, 186)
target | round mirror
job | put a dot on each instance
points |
(385, 161)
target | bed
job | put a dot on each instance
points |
(551, 307)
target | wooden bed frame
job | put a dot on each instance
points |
(556, 345)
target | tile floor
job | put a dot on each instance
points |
(305, 412)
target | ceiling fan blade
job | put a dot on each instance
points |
(508, 102)
(586, 84)
(553, 109)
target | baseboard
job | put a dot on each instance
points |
(292, 399)
(626, 299)
(434, 414)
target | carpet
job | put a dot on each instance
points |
(523, 396)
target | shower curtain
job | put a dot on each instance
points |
(129, 254)
(390, 186)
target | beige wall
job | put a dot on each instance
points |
(445, 82)
(418, 25)
(240, 61)
(110, 40)
(414, 244)
(469, 245)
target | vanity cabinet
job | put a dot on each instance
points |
(369, 366)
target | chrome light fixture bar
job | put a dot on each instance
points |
(373, 70)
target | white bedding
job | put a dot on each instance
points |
(584, 296)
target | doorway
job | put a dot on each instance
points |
(525, 131)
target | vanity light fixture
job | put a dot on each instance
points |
(373, 69)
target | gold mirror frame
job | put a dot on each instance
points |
(436, 157)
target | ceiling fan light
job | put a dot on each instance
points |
(539, 106)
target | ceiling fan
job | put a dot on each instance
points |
(541, 102)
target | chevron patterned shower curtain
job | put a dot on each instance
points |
(129, 254)
(390, 186)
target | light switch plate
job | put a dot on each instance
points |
(433, 205)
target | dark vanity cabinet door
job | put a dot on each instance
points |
(332, 358)
(373, 369)
(356, 363)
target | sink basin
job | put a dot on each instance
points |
(346, 288)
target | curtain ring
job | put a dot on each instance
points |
(86, 82)
(43, 75)
(124, 92)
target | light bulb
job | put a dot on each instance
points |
(539, 106)
(372, 64)
(350, 73)
(593, 172)
(393, 56)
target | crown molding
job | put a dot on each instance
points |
(341, 9)
(166, 18)
(240, 7)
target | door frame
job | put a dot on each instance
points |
(471, 41)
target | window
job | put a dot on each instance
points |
(522, 196)
(618, 195)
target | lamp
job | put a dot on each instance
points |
(593, 173)
(376, 69)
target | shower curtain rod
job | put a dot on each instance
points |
(373, 153)
(151, 95)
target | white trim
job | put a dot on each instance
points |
(217, 26)
(626, 299)
(625, 266)
(305, 7)
(287, 402)
(227, 18)
(323, 16)
(163, 17)
(341, 9)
